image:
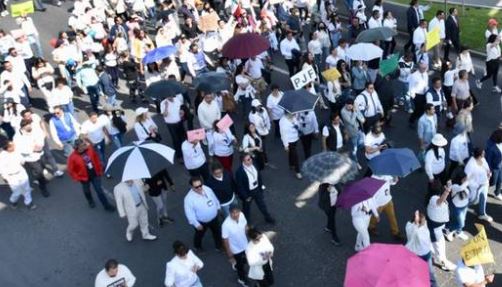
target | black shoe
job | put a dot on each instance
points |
(336, 242)
(399, 238)
(45, 193)
(110, 208)
(92, 204)
(166, 219)
(13, 205)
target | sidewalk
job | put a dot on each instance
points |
(474, 3)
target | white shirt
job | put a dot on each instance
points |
(390, 23)
(419, 83)
(419, 239)
(477, 174)
(14, 172)
(220, 144)
(434, 165)
(369, 104)
(374, 23)
(254, 67)
(459, 148)
(460, 194)
(492, 52)
(179, 271)
(193, 156)
(339, 136)
(26, 143)
(207, 114)
(465, 275)
(261, 121)
(331, 61)
(201, 208)
(276, 111)
(438, 213)
(315, 47)
(435, 22)
(419, 36)
(235, 233)
(123, 276)
(289, 130)
(449, 77)
(172, 116)
(308, 123)
(372, 140)
(383, 195)
(143, 129)
(364, 208)
(254, 256)
(94, 131)
(287, 47)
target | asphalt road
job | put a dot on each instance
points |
(64, 243)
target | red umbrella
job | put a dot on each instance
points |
(245, 45)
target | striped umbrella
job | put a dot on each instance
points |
(139, 160)
(329, 167)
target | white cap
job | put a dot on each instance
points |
(140, 111)
(439, 140)
(255, 103)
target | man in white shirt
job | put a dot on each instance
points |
(274, 110)
(289, 50)
(418, 87)
(253, 68)
(94, 129)
(170, 108)
(30, 144)
(459, 148)
(194, 159)
(438, 22)
(384, 203)
(233, 232)
(309, 128)
(420, 34)
(333, 136)
(114, 274)
(290, 134)
(369, 104)
(375, 21)
(16, 78)
(208, 112)
(436, 97)
(201, 209)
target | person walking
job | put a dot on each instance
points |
(418, 85)
(114, 274)
(131, 204)
(201, 210)
(333, 134)
(221, 145)
(158, 186)
(452, 31)
(275, 111)
(106, 86)
(252, 143)
(94, 130)
(144, 127)
(85, 167)
(384, 203)
(181, 270)
(492, 62)
(223, 185)
(460, 148)
(250, 187)
(259, 253)
(427, 127)
(459, 204)
(170, 108)
(328, 195)
(370, 106)
(290, 134)
(194, 159)
(233, 232)
(493, 155)
(436, 97)
(64, 130)
(361, 215)
(435, 159)
(16, 176)
(353, 121)
(88, 81)
(479, 174)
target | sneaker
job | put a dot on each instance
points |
(31, 206)
(263, 187)
(242, 283)
(448, 236)
(479, 85)
(462, 236)
(59, 3)
(299, 176)
(486, 218)
(129, 237)
(448, 265)
(58, 173)
(497, 89)
(150, 237)
(499, 197)
(410, 111)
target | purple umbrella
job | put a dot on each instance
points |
(358, 191)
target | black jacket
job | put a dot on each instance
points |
(452, 30)
(413, 21)
(225, 189)
(242, 182)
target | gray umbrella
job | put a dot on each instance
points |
(329, 167)
(375, 34)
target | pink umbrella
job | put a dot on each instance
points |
(386, 265)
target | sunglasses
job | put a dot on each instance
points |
(197, 186)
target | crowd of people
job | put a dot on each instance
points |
(104, 46)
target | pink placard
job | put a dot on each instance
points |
(225, 123)
(193, 135)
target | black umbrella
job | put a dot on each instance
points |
(297, 101)
(330, 167)
(212, 82)
(164, 89)
(375, 34)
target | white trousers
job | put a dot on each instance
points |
(20, 189)
(361, 224)
(141, 219)
(439, 247)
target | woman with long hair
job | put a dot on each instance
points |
(492, 62)
(252, 143)
(221, 146)
(478, 172)
(459, 204)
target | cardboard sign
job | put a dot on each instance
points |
(389, 65)
(477, 250)
(225, 123)
(432, 39)
(209, 22)
(303, 77)
(18, 9)
(331, 74)
(198, 134)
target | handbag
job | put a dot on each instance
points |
(157, 138)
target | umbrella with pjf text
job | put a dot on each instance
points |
(358, 191)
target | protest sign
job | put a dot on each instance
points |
(225, 123)
(477, 250)
(19, 9)
(193, 135)
(209, 22)
(432, 39)
(303, 77)
(331, 74)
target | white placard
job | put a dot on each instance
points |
(303, 77)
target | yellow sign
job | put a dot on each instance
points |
(331, 74)
(477, 250)
(432, 38)
(18, 9)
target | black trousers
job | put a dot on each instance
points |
(215, 227)
(268, 279)
(447, 48)
(177, 132)
(293, 157)
(240, 265)
(277, 130)
(331, 221)
(388, 47)
(419, 102)
(369, 122)
(256, 196)
(36, 169)
(292, 66)
(492, 70)
(307, 144)
(202, 171)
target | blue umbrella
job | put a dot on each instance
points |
(395, 161)
(298, 101)
(159, 54)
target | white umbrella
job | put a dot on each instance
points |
(364, 52)
(139, 160)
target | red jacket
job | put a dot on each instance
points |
(76, 165)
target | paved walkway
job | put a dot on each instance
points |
(476, 3)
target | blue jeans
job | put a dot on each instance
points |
(111, 100)
(100, 148)
(428, 258)
(225, 209)
(335, 38)
(69, 108)
(459, 214)
(483, 195)
(356, 141)
(117, 140)
(403, 96)
(68, 147)
(93, 92)
(497, 180)
(96, 183)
